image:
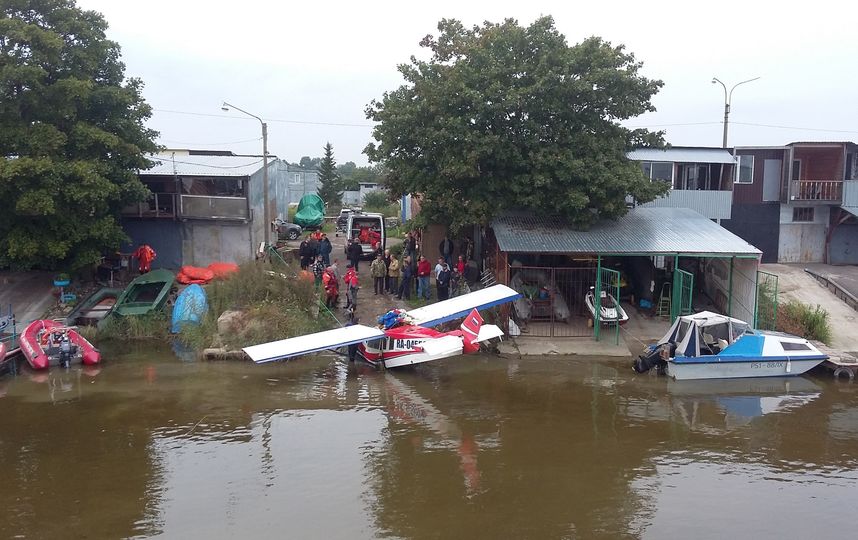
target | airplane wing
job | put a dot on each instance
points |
(458, 307)
(320, 341)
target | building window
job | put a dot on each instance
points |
(296, 179)
(745, 170)
(658, 170)
(802, 214)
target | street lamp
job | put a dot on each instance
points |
(265, 211)
(727, 99)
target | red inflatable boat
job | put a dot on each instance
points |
(48, 343)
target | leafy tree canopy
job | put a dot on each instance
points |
(330, 185)
(310, 163)
(504, 117)
(72, 135)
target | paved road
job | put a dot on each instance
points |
(29, 293)
(796, 284)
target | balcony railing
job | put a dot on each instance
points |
(817, 190)
(210, 207)
(167, 205)
(159, 205)
(709, 203)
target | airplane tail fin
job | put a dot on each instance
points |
(471, 331)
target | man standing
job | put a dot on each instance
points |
(393, 276)
(446, 249)
(318, 270)
(355, 251)
(387, 259)
(325, 249)
(352, 283)
(304, 252)
(423, 272)
(405, 286)
(443, 282)
(378, 271)
(438, 267)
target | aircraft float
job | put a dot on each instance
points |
(403, 337)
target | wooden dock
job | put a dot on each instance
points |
(839, 363)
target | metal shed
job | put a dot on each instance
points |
(654, 234)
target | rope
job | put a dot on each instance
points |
(634, 337)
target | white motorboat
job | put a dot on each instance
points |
(707, 345)
(610, 311)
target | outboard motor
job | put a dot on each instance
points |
(653, 358)
(65, 351)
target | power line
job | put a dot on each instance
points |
(211, 144)
(795, 127)
(166, 159)
(307, 122)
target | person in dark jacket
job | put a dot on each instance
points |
(355, 251)
(443, 282)
(314, 248)
(305, 253)
(405, 285)
(325, 249)
(446, 250)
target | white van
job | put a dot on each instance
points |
(367, 228)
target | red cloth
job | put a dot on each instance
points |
(423, 268)
(460, 267)
(223, 270)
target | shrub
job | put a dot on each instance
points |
(805, 321)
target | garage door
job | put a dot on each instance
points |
(843, 248)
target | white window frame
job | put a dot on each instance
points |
(296, 179)
(804, 209)
(737, 178)
(795, 172)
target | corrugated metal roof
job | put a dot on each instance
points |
(641, 231)
(186, 165)
(682, 155)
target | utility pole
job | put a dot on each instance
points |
(265, 210)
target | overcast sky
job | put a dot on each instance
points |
(301, 65)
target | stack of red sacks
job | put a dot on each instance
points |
(201, 276)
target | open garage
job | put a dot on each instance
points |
(656, 262)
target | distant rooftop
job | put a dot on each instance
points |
(683, 154)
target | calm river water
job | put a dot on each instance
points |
(474, 447)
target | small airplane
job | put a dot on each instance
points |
(407, 337)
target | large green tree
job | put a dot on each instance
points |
(330, 186)
(72, 135)
(504, 117)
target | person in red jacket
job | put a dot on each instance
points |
(144, 255)
(423, 271)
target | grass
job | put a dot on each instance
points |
(150, 326)
(274, 303)
(274, 307)
(805, 321)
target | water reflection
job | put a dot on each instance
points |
(479, 447)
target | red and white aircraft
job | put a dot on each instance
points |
(413, 341)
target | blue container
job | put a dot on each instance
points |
(62, 282)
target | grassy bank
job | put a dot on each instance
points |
(805, 321)
(273, 304)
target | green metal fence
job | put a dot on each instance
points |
(766, 305)
(683, 293)
(607, 284)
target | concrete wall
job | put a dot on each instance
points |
(802, 242)
(716, 284)
(205, 242)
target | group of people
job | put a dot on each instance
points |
(390, 275)
(316, 245)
